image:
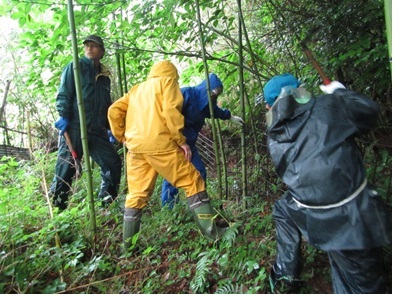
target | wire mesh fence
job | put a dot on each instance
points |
(262, 179)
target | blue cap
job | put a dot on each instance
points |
(273, 87)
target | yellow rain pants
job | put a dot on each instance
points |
(143, 170)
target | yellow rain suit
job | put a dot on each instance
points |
(149, 120)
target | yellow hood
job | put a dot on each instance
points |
(149, 116)
(164, 69)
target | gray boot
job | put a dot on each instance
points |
(131, 225)
(210, 222)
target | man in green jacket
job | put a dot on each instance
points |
(96, 87)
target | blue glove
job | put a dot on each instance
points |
(62, 124)
(111, 137)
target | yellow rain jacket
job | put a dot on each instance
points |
(132, 118)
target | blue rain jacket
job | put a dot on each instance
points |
(196, 108)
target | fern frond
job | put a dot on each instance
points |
(198, 283)
(229, 236)
(230, 288)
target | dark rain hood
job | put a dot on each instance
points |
(280, 117)
(201, 90)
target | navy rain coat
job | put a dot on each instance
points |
(314, 152)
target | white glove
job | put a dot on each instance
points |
(236, 120)
(329, 89)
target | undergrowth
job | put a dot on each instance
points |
(44, 253)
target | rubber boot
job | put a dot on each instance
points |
(131, 225)
(108, 192)
(209, 221)
(282, 284)
(60, 201)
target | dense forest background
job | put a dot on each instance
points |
(245, 43)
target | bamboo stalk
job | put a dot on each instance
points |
(241, 87)
(213, 124)
(81, 111)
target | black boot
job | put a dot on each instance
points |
(283, 284)
(108, 192)
(106, 201)
(60, 201)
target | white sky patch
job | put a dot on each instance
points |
(7, 25)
